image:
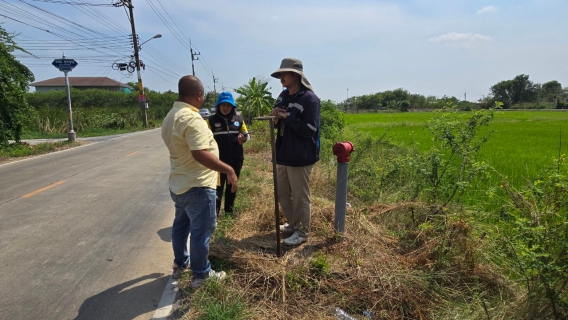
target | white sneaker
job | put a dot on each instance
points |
(217, 276)
(294, 240)
(286, 228)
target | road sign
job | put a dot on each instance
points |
(142, 97)
(64, 65)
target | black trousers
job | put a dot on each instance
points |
(237, 165)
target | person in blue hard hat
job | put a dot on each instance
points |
(230, 132)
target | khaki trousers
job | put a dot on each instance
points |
(294, 196)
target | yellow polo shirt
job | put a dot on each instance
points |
(184, 130)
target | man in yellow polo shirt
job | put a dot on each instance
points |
(194, 161)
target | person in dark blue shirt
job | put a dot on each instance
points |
(297, 147)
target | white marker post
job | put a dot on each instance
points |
(66, 65)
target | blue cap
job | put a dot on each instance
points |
(225, 97)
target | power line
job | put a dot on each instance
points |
(18, 12)
(73, 36)
(161, 77)
(180, 30)
(97, 13)
(180, 39)
(62, 18)
(67, 2)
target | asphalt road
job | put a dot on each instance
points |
(85, 233)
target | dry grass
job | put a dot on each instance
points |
(369, 270)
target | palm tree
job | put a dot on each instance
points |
(255, 99)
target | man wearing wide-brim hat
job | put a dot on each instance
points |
(297, 147)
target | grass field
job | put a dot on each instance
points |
(522, 143)
(398, 259)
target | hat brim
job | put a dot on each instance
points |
(281, 70)
(227, 101)
(305, 81)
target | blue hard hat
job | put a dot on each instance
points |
(226, 97)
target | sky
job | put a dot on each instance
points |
(348, 47)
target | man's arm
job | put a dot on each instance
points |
(209, 160)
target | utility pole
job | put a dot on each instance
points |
(214, 82)
(194, 56)
(347, 101)
(141, 95)
(465, 96)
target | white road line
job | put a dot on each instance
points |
(47, 154)
(167, 300)
(91, 141)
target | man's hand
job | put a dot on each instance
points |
(210, 161)
(277, 112)
(232, 180)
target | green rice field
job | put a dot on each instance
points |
(522, 143)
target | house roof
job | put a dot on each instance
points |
(80, 82)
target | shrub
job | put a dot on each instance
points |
(533, 226)
(331, 120)
(93, 110)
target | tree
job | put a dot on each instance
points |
(403, 106)
(210, 99)
(417, 101)
(518, 90)
(550, 91)
(14, 79)
(255, 99)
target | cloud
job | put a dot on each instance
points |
(486, 9)
(456, 39)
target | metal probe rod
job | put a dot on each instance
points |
(276, 211)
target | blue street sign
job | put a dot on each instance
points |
(64, 65)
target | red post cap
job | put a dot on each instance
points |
(343, 150)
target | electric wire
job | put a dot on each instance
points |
(67, 2)
(180, 39)
(97, 41)
(62, 18)
(17, 11)
(203, 62)
(102, 18)
(162, 57)
(152, 71)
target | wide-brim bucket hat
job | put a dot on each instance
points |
(293, 65)
(226, 96)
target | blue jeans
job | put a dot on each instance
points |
(195, 218)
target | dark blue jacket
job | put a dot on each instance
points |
(298, 136)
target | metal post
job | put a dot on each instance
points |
(274, 178)
(71, 135)
(141, 95)
(341, 197)
(342, 150)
